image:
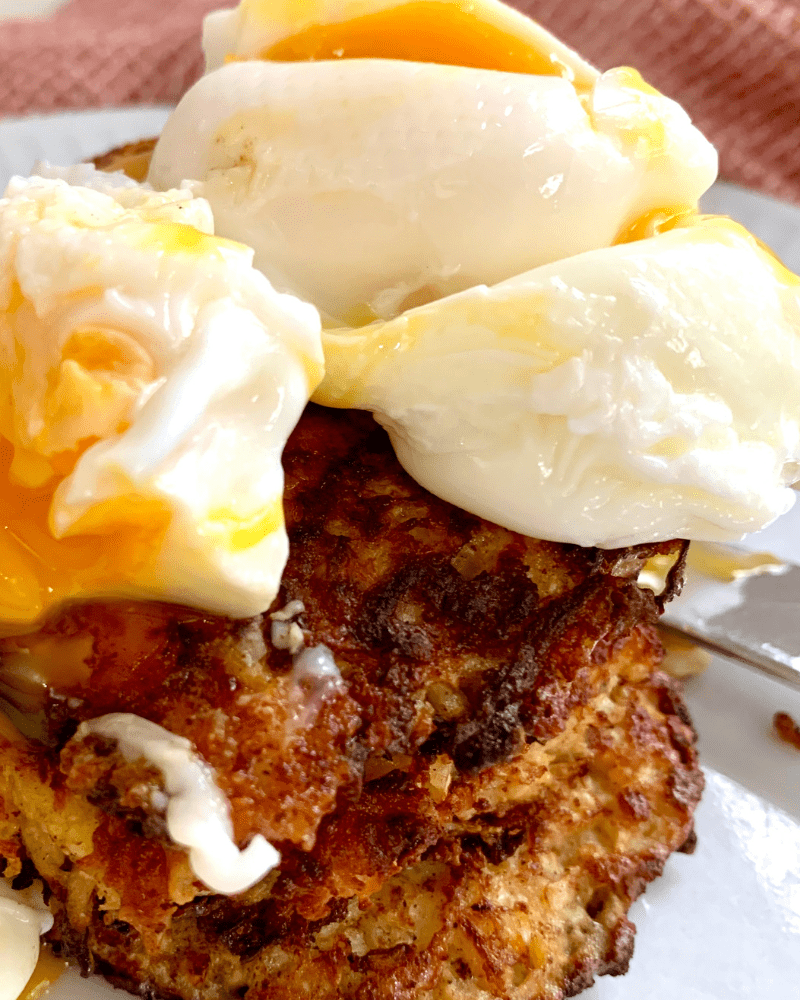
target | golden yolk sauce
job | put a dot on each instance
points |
(719, 228)
(649, 129)
(658, 220)
(632, 79)
(85, 393)
(8, 731)
(88, 394)
(48, 971)
(722, 563)
(646, 126)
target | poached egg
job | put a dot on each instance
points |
(369, 185)
(640, 392)
(150, 377)
(509, 262)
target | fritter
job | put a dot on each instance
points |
(787, 729)
(468, 812)
(132, 159)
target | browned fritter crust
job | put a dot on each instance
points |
(132, 159)
(787, 729)
(502, 733)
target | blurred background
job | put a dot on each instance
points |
(733, 64)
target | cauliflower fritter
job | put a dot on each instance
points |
(468, 813)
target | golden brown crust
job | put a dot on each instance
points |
(132, 159)
(787, 729)
(513, 883)
(502, 733)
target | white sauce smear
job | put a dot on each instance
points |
(198, 814)
(315, 677)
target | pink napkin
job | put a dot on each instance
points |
(102, 53)
(733, 64)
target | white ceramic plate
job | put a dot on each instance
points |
(69, 137)
(723, 924)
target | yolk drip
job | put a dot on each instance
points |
(114, 544)
(133, 160)
(32, 663)
(238, 533)
(657, 220)
(351, 354)
(179, 238)
(717, 227)
(443, 33)
(314, 372)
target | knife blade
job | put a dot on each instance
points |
(754, 619)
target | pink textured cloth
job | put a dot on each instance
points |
(102, 53)
(734, 64)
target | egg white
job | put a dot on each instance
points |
(635, 393)
(367, 185)
(153, 377)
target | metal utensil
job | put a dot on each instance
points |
(754, 619)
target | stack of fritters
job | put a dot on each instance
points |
(468, 813)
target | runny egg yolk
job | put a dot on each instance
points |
(38, 571)
(731, 233)
(432, 32)
(144, 363)
(100, 371)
